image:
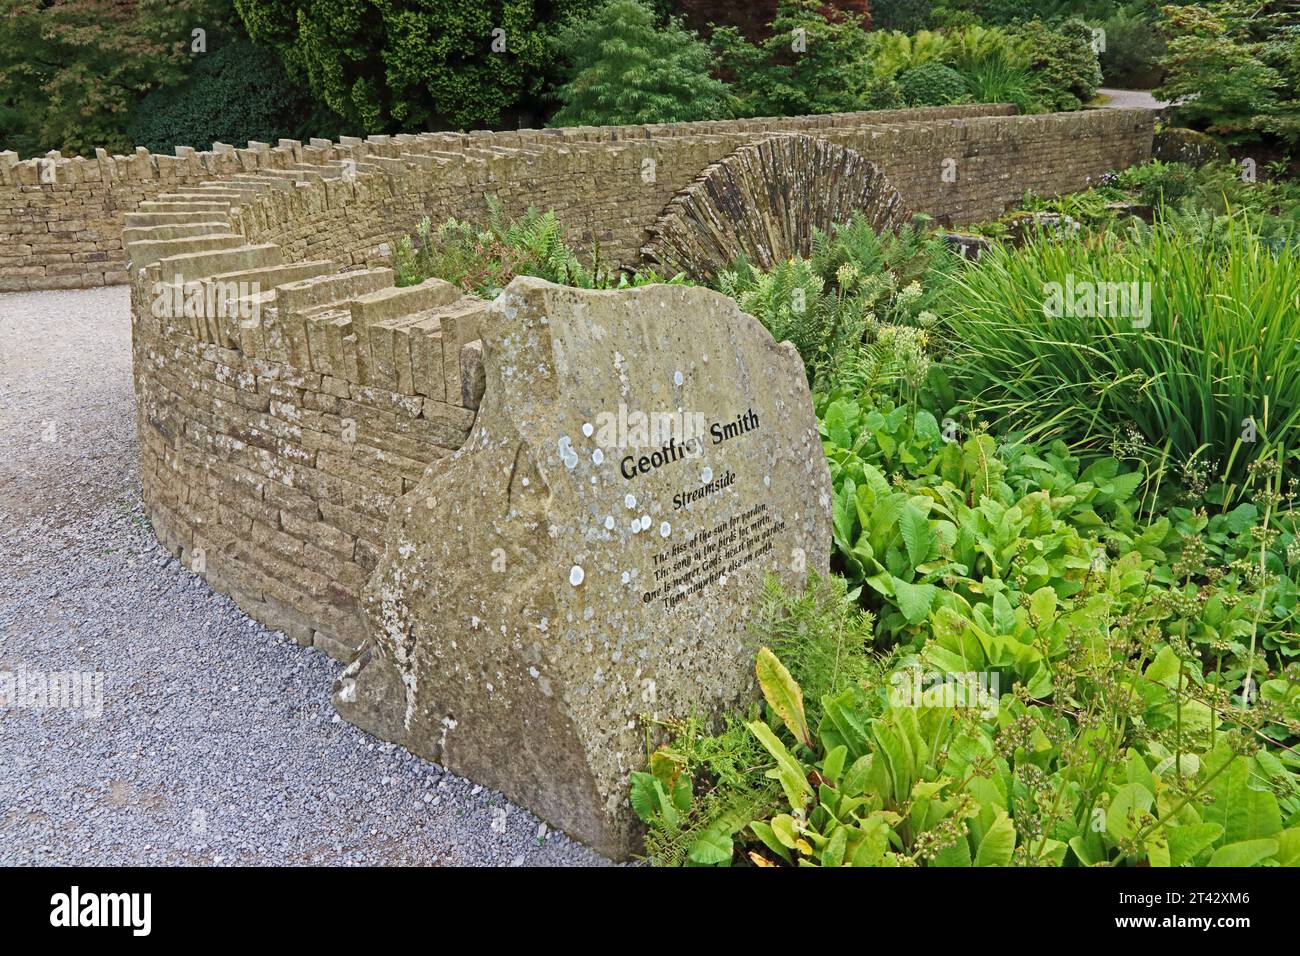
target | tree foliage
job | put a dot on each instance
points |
(1064, 62)
(70, 70)
(237, 92)
(626, 71)
(387, 65)
(812, 62)
(1233, 70)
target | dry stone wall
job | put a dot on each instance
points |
(277, 435)
(64, 221)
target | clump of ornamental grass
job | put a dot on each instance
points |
(1189, 343)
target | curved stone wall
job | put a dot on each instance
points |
(65, 221)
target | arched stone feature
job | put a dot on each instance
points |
(763, 202)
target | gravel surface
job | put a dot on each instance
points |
(216, 742)
(1130, 99)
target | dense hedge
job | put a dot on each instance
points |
(389, 66)
(237, 92)
(932, 84)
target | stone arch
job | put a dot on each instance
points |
(763, 201)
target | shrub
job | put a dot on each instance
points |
(997, 81)
(1232, 71)
(967, 48)
(237, 92)
(895, 53)
(1032, 606)
(70, 72)
(1133, 50)
(1064, 63)
(994, 63)
(1212, 372)
(932, 84)
(402, 67)
(1156, 183)
(807, 64)
(482, 260)
(835, 306)
(626, 71)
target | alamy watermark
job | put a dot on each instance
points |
(1100, 300)
(52, 690)
(212, 299)
(973, 690)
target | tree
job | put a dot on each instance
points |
(813, 62)
(389, 65)
(1063, 61)
(909, 16)
(237, 92)
(71, 69)
(1225, 70)
(626, 71)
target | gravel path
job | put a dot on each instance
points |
(1129, 99)
(216, 743)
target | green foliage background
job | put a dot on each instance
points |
(389, 66)
(624, 70)
(932, 84)
(71, 71)
(830, 74)
(237, 92)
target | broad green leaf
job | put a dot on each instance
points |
(1082, 850)
(1004, 615)
(1042, 605)
(917, 536)
(1243, 853)
(998, 843)
(783, 695)
(788, 771)
(914, 600)
(1187, 841)
(873, 843)
(643, 797)
(1164, 669)
(833, 854)
(1288, 843)
(1128, 803)
(1244, 814)
(767, 834)
(956, 855)
(783, 828)
(833, 765)
(855, 780)
(713, 847)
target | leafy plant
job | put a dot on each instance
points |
(1231, 70)
(1200, 362)
(1134, 47)
(808, 63)
(1048, 710)
(483, 260)
(920, 783)
(71, 71)
(394, 67)
(236, 92)
(624, 70)
(856, 285)
(1063, 61)
(932, 84)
